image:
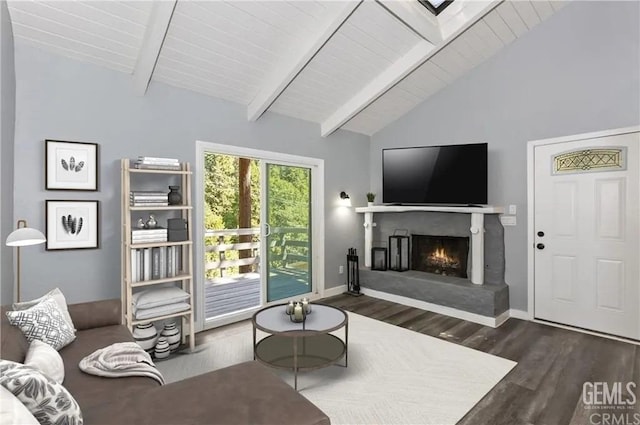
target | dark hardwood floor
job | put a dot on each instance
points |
(553, 364)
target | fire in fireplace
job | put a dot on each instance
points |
(444, 255)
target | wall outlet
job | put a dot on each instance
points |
(513, 209)
(341, 270)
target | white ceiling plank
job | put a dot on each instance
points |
(499, 27)
(450, 61)
(155, 33)
(544, 8)
(49, 11)
(394, 74)
(71, 49)
(283, 76)
(511, 17)
(414, 16)
(559, 4)
(466, 50)
(493, 42)
(527, 13)
(459, 13)
(72, 32)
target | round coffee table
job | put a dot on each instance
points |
(307, 345)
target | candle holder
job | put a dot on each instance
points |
(298, 310)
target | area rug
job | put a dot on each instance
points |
(395, 375)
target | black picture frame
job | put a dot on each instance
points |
(71, 165)
(72, 224)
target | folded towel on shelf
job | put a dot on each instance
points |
(149, 313)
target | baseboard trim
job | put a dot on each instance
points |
(586, 331)
(337, 290)
(519, 314)
(493, 322)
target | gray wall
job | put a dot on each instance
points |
(59, 98)
(576, 72)
(7, 120)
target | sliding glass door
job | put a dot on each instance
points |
(258, 244)
(287, 231)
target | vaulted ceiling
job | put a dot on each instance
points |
(356, 65)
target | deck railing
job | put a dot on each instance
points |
(232, 291)
(288, 248)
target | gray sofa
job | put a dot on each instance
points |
(246, 393)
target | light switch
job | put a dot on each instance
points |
(512, 209)
(508, 220)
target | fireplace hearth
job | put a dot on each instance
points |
(443, 255)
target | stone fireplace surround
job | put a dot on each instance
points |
(489, 300)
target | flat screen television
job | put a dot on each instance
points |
(452, 174)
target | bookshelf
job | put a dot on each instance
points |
(176, 264)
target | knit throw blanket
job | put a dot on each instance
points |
(121, 359)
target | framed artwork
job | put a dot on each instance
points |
(71, 165)
(72, 224)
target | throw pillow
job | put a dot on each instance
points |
(12, 411)
(46, 359)
(159, 296)
(48, 401)
(44, 322)
(57, 295)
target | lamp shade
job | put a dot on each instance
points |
(25, 236)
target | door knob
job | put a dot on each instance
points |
(541, 233)
(540, 246)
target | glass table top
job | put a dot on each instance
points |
(322, 318)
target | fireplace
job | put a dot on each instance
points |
(444, 255)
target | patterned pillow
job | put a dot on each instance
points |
(57, 295)
(45, 322)
(47, 400)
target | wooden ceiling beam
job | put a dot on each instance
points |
(395, 73)
(156, 31)
(297, 60)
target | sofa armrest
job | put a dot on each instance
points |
(95, 314)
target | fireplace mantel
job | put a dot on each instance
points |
(477, 229)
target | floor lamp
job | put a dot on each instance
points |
(23, 236)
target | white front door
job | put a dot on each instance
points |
(587, 231)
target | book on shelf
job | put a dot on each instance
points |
(134, 266)
(149, 198)
(149, 239)
(155, 263)
(152, 231)
(158, 159)
(163, 262)
(147, 193)
(157, 165)
(147, 264)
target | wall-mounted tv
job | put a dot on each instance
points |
(452, 174)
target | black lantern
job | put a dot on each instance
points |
(399, 251)
(379, 259)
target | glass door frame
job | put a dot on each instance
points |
(316, 166)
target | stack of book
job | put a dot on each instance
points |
(149, 235)
(155, 263)
(148, 199)
(155, 163)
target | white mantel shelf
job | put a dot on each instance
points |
(476, 229)
(487, 209)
